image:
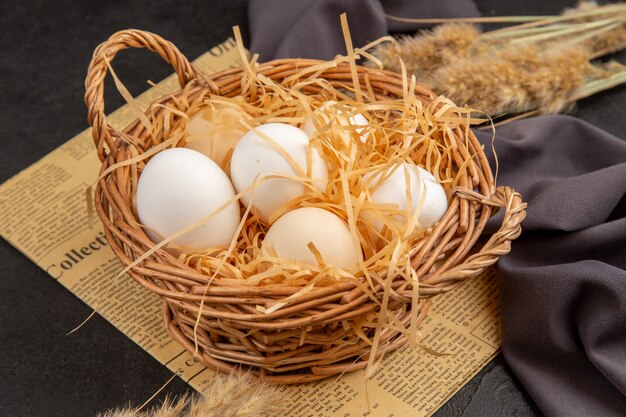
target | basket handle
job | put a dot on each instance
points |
(499, 243)
(102, 131)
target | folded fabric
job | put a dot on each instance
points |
(311, 28)
(563, 286)
(564, 283)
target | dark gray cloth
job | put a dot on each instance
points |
(311, 28)
(563, 286)
(564, 283)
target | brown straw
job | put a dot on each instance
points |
(323, 331)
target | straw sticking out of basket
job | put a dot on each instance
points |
(287, 321)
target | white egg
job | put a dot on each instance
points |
(255, 158)
(215, 133)
(330, 111)
(179, 187)
(422, 185)
(289, 236)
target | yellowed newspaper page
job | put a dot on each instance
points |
(44, 216)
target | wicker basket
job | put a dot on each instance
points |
(304, 341)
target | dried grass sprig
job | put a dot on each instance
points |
(516, 80)
(539, 67)
(228, 395)
(427, 53)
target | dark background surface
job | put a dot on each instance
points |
(45, 48)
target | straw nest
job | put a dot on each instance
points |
(287, 322)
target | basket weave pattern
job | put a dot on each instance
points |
(306, 340)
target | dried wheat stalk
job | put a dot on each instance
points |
(228, 395)
(538, 67)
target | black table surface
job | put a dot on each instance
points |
(45, 49)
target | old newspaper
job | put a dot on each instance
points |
(44, 215)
